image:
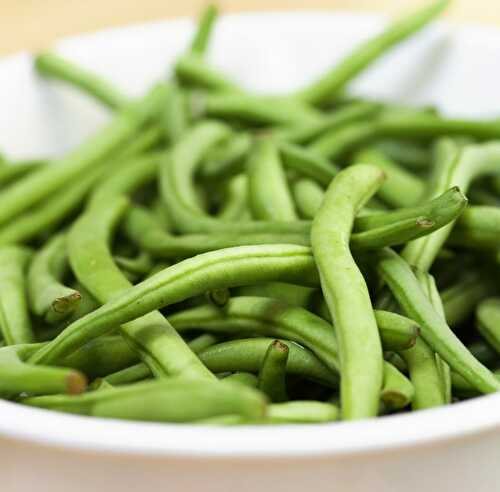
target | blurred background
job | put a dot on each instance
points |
(35, 24)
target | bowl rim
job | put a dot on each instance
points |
(91, 434)
(409, 430)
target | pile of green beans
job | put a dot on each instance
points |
(220, 257)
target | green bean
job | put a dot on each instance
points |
(199, 44)
(428, 285)
(408, 153)
(461, 298)
(227, 158)
(483, 352)
(10, 172)
(337, 143)
(463, 388)
(272, 372)
(175, 118)
(49, 214)
(401, 188)
(397, 391)
(132, 175)
(434, 330)
(302, 412)
(246, 378)
(270, 197)
(425, 376)
(151, 335)
(17, 377)
(333, 82)
(191, 69)
(308, 197)
(453, 167)
(397, 361)
(218, 297)
(143, 230)
(140, 266)
(171, 400)
(29, 190)
(441, 210)
(304, 133)
(48, 296)
(422, 365)
(256, 110)
(231, 267)
(294, 295)
(477, 228)
(102, 356)
(147, 140)
(307, 163)
(271, 317)
(346, 292)
(202, 342)
(424, 125)
(52, 65)
(15, 324)
(235, 205)
(488, 318)
(132, 374)
(248, 354)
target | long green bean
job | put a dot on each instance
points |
(15, 324)
(333, 82)
(171, 400)
(361, 364)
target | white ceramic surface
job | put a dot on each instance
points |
(455, 448)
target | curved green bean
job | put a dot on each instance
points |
(227, 158)
(346, 292)
(269, 194)
(49, 298)
(54, 66)
(230, 267)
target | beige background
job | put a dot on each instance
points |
(34, 24)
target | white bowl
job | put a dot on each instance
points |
(453, 448)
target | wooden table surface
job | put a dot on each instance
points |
(35, 24)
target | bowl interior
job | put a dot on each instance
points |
(445, 66)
